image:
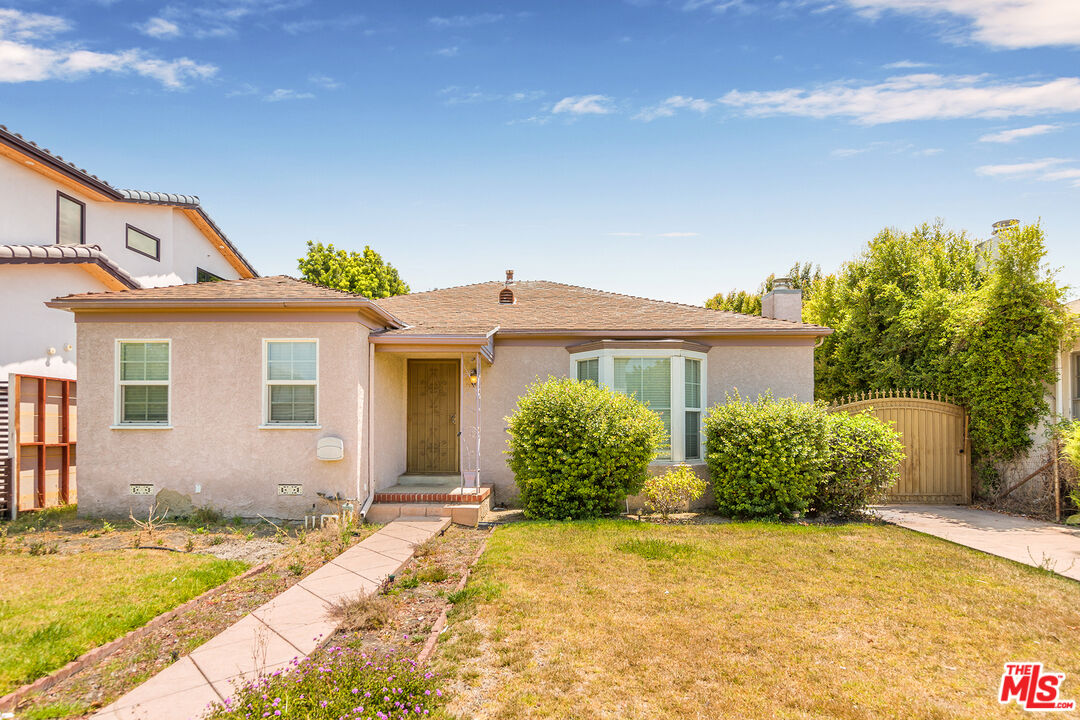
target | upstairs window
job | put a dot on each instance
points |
(143, 376)
(70, 220)
(292, 382)
(143, 243)
(206, 276)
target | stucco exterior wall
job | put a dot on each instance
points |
(389, 423)
(786, 370)
(216, 410)
(28, 329)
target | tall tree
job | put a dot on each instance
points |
(803, 276)
(364, 273)
(931, 310)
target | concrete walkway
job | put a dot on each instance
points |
(291, 625)
(1056, 547)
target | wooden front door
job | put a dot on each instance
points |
(433, 417)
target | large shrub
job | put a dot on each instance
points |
(766, 457)
(577, 450)
(673, 490)
(864, 456)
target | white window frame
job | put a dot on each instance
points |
(267, 383)
(118, 394)
(678, 390)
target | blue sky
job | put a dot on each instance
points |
(663, 148)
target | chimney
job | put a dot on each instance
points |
(783, 302)
(506, 295)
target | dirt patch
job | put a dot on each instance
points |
(292, 558)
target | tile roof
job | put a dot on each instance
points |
(64, 254)
(551, 307)
(159, 198)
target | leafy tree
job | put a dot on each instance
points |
(928, 309)
(364, 273)
(803, 276)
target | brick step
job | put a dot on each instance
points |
(400, 494)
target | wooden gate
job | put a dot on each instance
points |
(937, 468)
(44, 441)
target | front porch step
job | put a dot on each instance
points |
(431, 494)
(460, 513)
(448, 480)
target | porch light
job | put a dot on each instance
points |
(473, 377)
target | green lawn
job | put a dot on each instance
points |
(53, 608)
(619, 619)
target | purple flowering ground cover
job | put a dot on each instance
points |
(340, 683)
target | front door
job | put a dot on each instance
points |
(432, 425)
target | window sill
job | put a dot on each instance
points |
(140, 427)
(290, 427)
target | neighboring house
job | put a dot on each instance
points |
(1066, 402)
(259, 396)
(63, 231)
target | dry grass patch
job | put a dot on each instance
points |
(362, 612)
(621, 619)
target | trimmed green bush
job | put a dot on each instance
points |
(766, 457)
(577, 450)
(669, 492)
(864, 456)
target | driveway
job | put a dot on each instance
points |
(1031, 542)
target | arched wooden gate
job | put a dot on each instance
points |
(937, 468)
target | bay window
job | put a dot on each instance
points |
(669, 381)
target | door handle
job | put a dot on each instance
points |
(453, 416)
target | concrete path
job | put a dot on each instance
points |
(1031, 542)
(291, 625)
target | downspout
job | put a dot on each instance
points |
(1060, 386)
(370, 431)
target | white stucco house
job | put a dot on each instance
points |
(62, 231)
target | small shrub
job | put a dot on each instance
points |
(656, 549)
(342, 682)
(206, 516)
(864, 456)
(361, 612)
(433, 574)
(216, 540)
(669, 492)
(408, 582)
(297, 568)
(577, 450)
(765, 457)
(190, 544)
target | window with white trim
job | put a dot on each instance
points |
(143, 382)
(291, 382)
(670, 382)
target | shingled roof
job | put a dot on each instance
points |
(543, 307)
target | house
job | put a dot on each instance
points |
(64, 231)
(267, 395)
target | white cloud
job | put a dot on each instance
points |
(24, 60)
(584, 105)
(678, 234)
(464, 21)
(905, 65)
(998, 23)
(1008, 136)
(298, 27)
(451, 51)
(1066, 174)
(17, 25)
(928, 152)
(923, 96)
(672, 105)
(159, 28)
(1024, 168)
(848, 152)
(324, 81)
(287, 94)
